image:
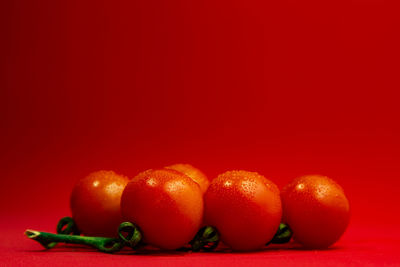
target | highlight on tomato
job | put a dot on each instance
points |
(316, 209)
(95, 203)
(245, 207)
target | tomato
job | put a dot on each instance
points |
(166, 205)
(198, 176)
(316, 209)
(95, 203)
(245, 207)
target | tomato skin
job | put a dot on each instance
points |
(316, 209)
(95, 203)
(245, 207)
(166, 205)
(198, 176)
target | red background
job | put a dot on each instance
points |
(284, 88)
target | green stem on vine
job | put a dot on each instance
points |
(65, 226)
(207, 239)
(129, 235)
(48, 240)
(283, 235)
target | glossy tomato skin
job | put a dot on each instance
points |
(198, 176)
(316, 209)
(95, 203)
(167, 206)
(245, 207)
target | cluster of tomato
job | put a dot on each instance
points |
(170, 205)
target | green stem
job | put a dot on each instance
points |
(65, 226)
(129, 235)
(48, 240)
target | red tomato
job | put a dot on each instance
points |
(166, 205)
(198, 176)
(245, 207)
(95, 203)
(316, 209)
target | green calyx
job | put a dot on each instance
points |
(67, 226)
(207, 239)
(283, 235)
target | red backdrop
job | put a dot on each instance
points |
(284, 88)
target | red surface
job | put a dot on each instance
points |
(359, 247)
(284, 88)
